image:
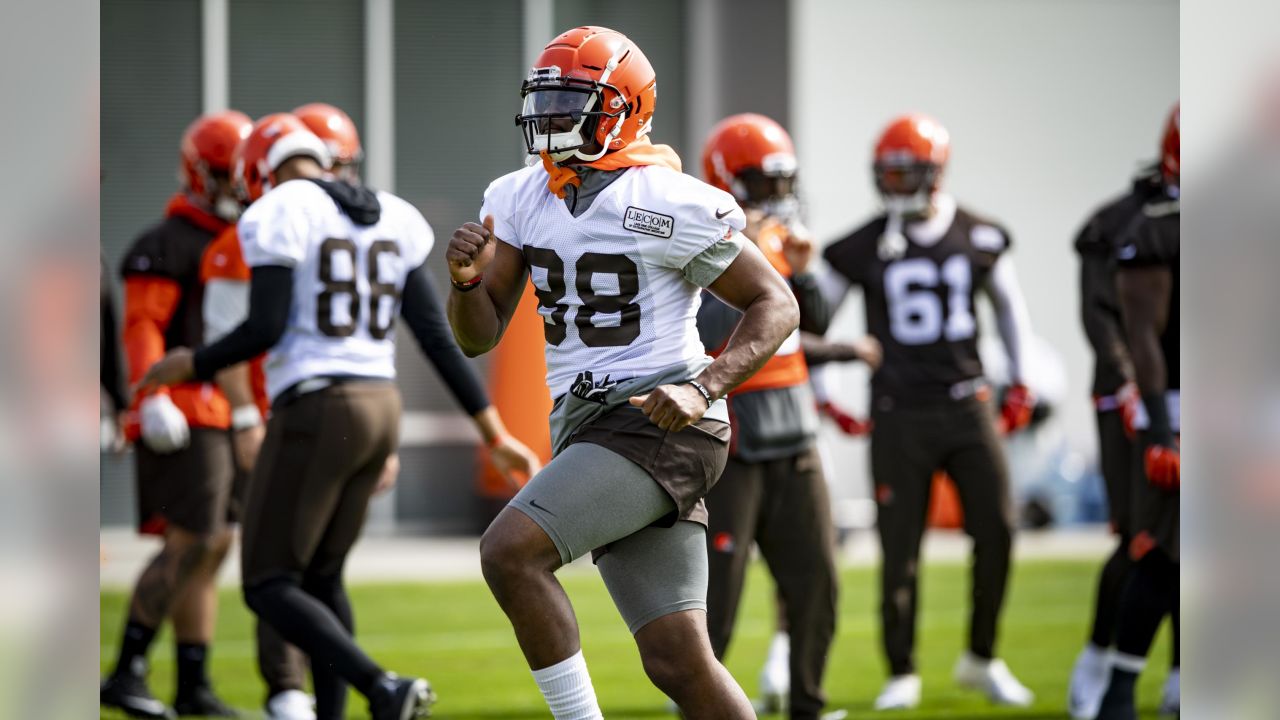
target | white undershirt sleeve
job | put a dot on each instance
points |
(1012, 319)
(226, 305)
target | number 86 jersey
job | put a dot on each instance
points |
(919, 297)
(350, 250)
(619, 285)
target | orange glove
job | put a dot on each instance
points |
(847, 423)
(1163, 466)
(1015, 412)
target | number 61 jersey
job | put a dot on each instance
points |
(919, 297)
(350, 250)
(619, 285)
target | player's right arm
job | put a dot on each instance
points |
(1097, 314)
(488, 278)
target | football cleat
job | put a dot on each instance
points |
(129, 693)
(290, 705)
(993, 678)
(1088, 683)
(901, 692)
(201, 702)
(397, 698)
(775, 676)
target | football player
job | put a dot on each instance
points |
(1147, 286)
(331, 265)
(339, 134)
(184, 463)
(921, 263)
(1115, 396)
(773, 491)
(226, 304)
(618, 244)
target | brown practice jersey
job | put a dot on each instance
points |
(1097, 244)
(920, 302)
(1155, 243)
(172, 250)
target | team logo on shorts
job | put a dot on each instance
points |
(586, 387)
(649, 222)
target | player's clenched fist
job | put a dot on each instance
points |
(470, 250)
(672, 407)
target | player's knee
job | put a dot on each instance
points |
(186, 552)
(674, 673)
(506, 550)
(263, 595)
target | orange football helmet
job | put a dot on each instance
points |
(591, 91)
(1170, 144)
(339, 134)
(274, 139)
(751, 157)
(207, 146)
(909, 160)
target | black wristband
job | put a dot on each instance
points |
(467, 286)
(706, 394)
(1159, 428)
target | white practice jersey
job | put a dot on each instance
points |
(347, 280)
(618, 286)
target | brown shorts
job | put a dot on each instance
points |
(686, 464)
(189, 489)
(311, 486)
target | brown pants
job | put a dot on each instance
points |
(315, 474)
(907, 446)
(783, 506)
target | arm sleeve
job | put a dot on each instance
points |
(425, 317)
(707, 266)
(818, 351)
(270, 299)
(1012, 319)
(1099, 313)
(149, 303)
(226, 305)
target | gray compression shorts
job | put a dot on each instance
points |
(591, 498)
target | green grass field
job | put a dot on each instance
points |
(455, 635)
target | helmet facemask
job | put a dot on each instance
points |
(561, 115)
(907, 188)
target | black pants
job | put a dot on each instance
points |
(1116, 453)
(783, 506)
(907, 446)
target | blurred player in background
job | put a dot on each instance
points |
(619, 245)
(226, 304)
(920, 265)
(1147, 286)
(184, 463)
(773, 492)
(330, 262)
(1114, 394)
(339, 134)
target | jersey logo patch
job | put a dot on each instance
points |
(648, 222)
(586, 387)
(987, 238)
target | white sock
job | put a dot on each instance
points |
(566, 686)
(779, 649)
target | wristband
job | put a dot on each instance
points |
(706, 394)
(245, 417)
(467, 286)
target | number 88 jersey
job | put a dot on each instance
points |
(619, 285)
(919, 297)
(348, 275)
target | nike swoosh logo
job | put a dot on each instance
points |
(721, 215)
(535, 504)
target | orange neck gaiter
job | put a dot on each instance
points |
(640, 152)
(181, 206)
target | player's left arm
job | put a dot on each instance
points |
(1013, 322)
(769, 315)
(1144, 302)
